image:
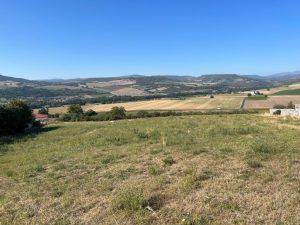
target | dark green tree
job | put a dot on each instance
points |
(43, 111)
(290, 105)
(75, 109)
(90, 112)
(15, 117)
(117, 113)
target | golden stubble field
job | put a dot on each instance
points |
(194, 103)
(271, 101)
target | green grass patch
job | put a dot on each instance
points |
(288, 92)
(257, 97)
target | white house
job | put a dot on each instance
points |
(288, 112)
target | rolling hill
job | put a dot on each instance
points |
(133, 87)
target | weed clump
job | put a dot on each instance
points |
(130, 199)
(254, 164)
(154, 170)
(169, 161)
(264, 148)
(202, 220)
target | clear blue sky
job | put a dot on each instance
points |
(42, 39)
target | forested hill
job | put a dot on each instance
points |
(59, 91)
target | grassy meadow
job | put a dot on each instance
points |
(190, 170)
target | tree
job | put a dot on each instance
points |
(90, 112)
(43, 111)
(76, 109)
(14, 117)
(142, 114)
(290, 105)
(117, 113)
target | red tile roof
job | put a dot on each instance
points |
(40, 116)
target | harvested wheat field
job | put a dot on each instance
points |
(225, 169)
(271, 101)
(194, 103)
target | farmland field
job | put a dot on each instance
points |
(281, 88)
(288, 92)
(271, 101)
(217, 169)
(194, 103)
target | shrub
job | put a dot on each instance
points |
(90, 112)
(43, 111)
(277, 112)
(211, 96)
(143, 114)
(290, 105)
(278, 106)
(14, 117)
(117, 113)
(75, 109)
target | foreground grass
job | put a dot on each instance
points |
(230, 169)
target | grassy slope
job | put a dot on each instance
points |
(190, 170)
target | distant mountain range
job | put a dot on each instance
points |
(60, 91)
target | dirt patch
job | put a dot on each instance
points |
(128, 91)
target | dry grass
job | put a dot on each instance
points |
(271, 101)
(230, 169)
(195, 103)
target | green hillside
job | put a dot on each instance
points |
(229, 169)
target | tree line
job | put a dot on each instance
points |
(76, 113)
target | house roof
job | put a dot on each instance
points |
(40, 116)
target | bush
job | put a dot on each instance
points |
(277, 112)
(43, 111)
(278, 106)
(290, 105)
(14, 117)
(211, 96)
(142, 114)
(76, 109)
(90, 112)
(117, 113)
